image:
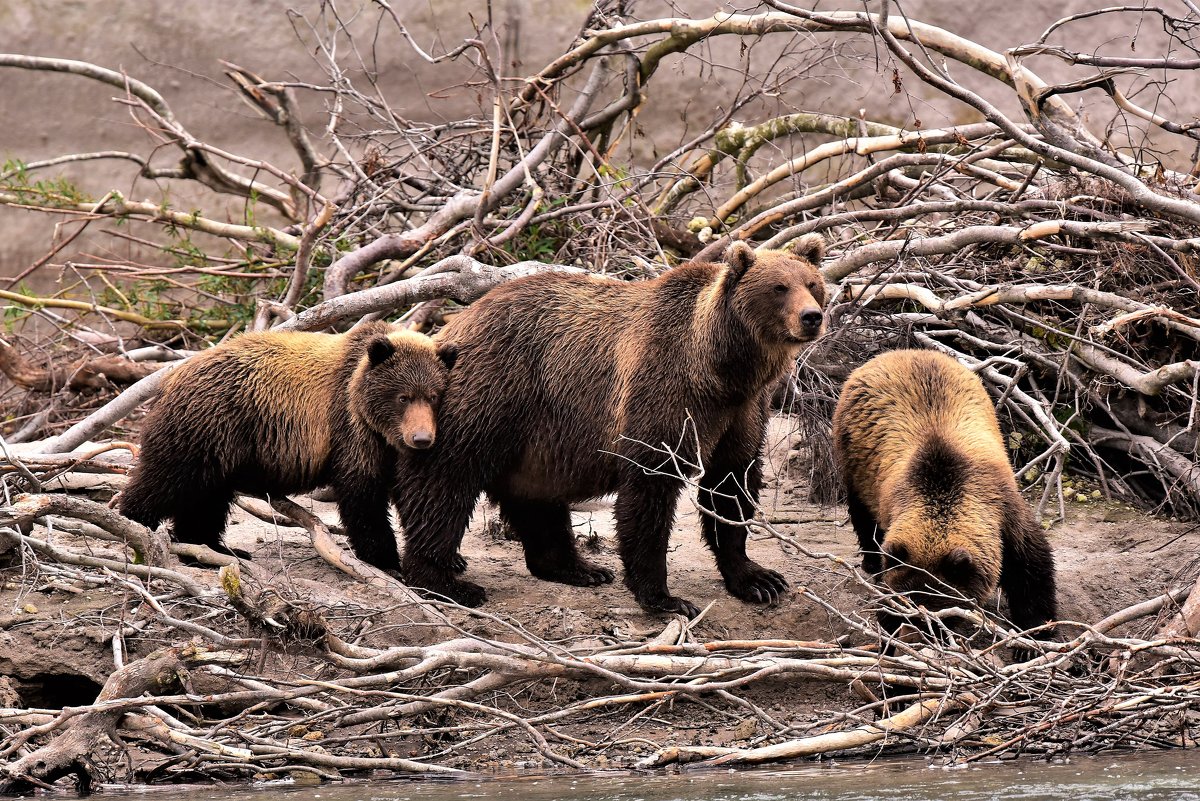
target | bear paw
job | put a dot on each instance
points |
(756, 584)
(669, 603)
(463, 593)
(438, 583)
(580, 573)
(458, 563)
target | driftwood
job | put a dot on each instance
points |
(1187, 622)
(1088, 692)
(86, 375)
(82, 733)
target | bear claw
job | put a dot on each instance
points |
(756, 584)
(579, 574)
(670, 604)
(458, 563)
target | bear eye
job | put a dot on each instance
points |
(405, 399)
(780, 288)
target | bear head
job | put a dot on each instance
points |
(943, 542)
(778, 294)
(398, 384)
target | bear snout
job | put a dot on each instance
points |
(811, 322)
(418, 428)
(420, 440)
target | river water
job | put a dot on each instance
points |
(1173, 775)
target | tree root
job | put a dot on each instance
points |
(73, 750)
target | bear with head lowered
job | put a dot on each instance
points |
(931, 494)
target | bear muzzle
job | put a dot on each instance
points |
(419, 440)
(811, 325)
(418, 428)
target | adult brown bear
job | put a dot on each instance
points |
(931, 494)
(276, 413)
(570, 387)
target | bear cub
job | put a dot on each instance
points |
(930, 490)
(275, 413)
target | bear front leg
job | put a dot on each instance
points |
(645, 511)
(550, 554)
(1027, 571)
(363, 507)
(728, 498)
(867, 529)
(434, 503)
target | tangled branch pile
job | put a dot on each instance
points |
(246, 673)
(1060, 264)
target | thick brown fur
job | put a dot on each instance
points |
(277, 413)
(931, 493)
(566, 388)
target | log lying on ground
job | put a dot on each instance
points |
(1186, 623)
(84, 375)
(899, 726)
(72, 749)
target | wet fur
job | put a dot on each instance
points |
(931, 493)
(563, 386)
(278, 413)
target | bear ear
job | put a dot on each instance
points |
(448, 353)
(896, 553)
(739, 256)
(810, 247)
(379, 349)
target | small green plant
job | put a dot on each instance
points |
(57, 192)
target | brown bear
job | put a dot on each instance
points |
(276, 413)
(930, 490)
(570, 387)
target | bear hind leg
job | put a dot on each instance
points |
(144, 503)
(198, 515)
(544, 528)
(200, 519)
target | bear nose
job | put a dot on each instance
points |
(811, 318)
(422, 439)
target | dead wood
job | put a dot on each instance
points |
(1186, 623)
(84, 376)
(81, 735)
